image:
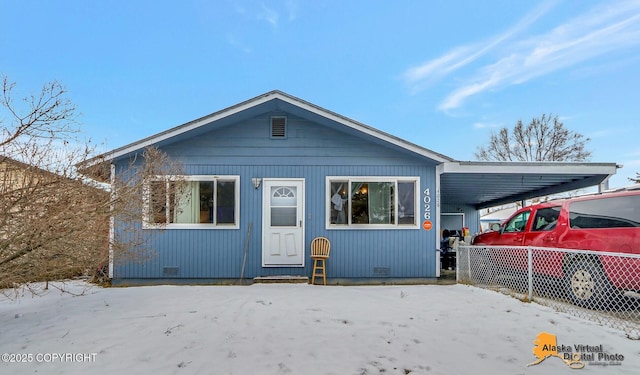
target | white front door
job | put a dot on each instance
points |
(282, 219)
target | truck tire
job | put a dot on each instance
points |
(587, 285)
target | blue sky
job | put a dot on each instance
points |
(442, 74)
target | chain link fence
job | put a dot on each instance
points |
(598, 286)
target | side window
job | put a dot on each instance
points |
(198, 202)
(614, 212)
(546, 219)
(518, 222)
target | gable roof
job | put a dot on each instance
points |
(13, 171)
(275, 100)
(480, 184)
(7, 161)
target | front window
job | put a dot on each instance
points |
(198, 202)
(372, 201)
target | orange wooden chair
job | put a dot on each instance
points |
(320, 248)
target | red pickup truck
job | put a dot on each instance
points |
(607, 222)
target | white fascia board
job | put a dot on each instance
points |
(530, 168)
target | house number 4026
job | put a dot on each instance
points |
(427, 204)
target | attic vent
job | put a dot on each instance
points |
(278, 127)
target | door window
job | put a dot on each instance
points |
(546, 219)
(518, 222)
(283, 206)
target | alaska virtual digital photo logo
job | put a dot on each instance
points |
(575, 356)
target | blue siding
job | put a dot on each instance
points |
(248, 143)
(311, 151)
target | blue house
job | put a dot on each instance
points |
(269, 174)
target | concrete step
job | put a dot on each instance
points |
(289, 279)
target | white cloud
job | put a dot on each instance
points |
(262, 12)
(234, 42)
(594, 33)
(485, 125)
(292, 9)
(421, 76)
(602, 29)
(269, 15)
(456, 98)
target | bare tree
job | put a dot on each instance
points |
(544, 139)
(53, 223)
(132, 201)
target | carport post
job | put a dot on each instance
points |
(530, 271)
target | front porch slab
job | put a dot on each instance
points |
(281, 279)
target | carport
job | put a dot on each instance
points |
(466, 187)
(488, 184)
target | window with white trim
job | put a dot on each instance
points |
(201, 202)
(372, 202)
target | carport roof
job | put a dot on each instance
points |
(487, 184)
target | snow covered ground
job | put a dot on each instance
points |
(293, 329)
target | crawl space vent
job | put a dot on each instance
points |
(381, 271)
(170, 271)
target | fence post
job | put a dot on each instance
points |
(438, 264)
(457, 261)
(530, 271)
(469, 263)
